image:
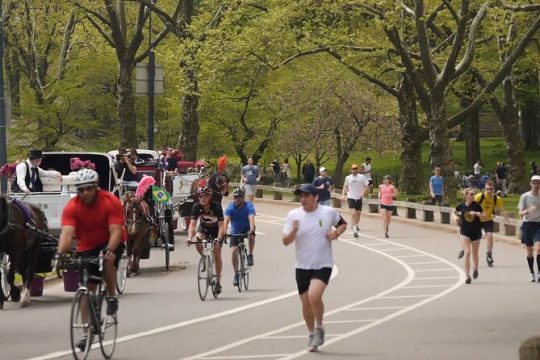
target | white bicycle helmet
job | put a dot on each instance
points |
(86, 177)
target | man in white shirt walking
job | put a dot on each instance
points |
(356, 186)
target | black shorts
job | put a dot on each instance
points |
(303, 277)
(474, 236)
(530, 233)
(487, 226)
(355, 204)
(93, 269)
(235, 240)
(387, 207)
(209, 232)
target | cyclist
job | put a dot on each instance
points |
(96, 218)
(210, 215)
(241, 215)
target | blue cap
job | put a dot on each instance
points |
(306, 188)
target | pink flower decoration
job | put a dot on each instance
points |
(76, 164)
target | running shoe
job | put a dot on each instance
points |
(236, 280)
(468, 280)
(250, 260)
(318, 336)
(81, 345)
(218, 288)
(475, 274)
(489, 259)
(460, 254)
(355, 234)
(311, 346)
(538, 278)
(533, 278)
(386, 235)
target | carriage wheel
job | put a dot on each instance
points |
(108, 330)
(121, 274)
(165, 243)
(245, 270)
(79, 327)
(202, 277)
(4, 270)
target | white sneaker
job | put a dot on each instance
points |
(318, 336)
(311, 346)
(533, 278)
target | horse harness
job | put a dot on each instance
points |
(29, 222)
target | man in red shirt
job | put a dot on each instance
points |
(96, 219)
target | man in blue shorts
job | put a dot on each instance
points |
(529, 209)
(241, 215)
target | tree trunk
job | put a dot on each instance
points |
(127, 118)
(412, 178)
(189, 137)
(441, 153)
(471, 130)
(14, 80)
(515, 147)
(530, 111)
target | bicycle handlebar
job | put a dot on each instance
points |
(76, 262)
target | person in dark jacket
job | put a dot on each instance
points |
(308, 171)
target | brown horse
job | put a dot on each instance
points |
(138, 225)
(218, 183)
(20, 225)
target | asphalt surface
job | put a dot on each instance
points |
(397, 298)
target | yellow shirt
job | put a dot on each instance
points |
(488, 204)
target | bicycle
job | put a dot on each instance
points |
(4, 270)
(206, 276)
(122, 274)
(88, 317)
(243, 268)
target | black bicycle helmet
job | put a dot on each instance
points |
(238, 192)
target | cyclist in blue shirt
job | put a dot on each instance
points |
(241, 215)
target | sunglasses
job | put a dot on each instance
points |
(82, 189)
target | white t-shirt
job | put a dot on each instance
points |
(356, 185)
(528, 199)
(476, 168)
(367, 170)
(313, 249)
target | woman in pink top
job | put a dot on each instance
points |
(387, 194)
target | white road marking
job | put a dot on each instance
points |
(410, 256)
(436, 278)
(376, 308)
(425, 262)
(348, 321)
(247, 357)
(407, 296)
(431, 270)
(424, 286)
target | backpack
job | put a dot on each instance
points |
(483, 196)
(14, 186)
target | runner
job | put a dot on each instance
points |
(313, 227)
(367, 173)
(387, 194)
(354, 189)
(529, 209)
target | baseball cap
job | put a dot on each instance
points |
(354, 167)
(535, 178)
(322, 168)
(306, 188)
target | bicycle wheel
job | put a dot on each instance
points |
(108, 329)
(4, 270)
(212, 276)
(245, 269)
(240, 264)
(202, 277)
(121, 274)
(165, 243)
(81, 329)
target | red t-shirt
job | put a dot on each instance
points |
(92, 222)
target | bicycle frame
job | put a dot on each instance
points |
(243, 268)
(206, 276)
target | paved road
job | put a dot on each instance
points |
(397, 298)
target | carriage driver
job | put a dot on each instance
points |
(241, 215)
(96, 218)
(210, 215)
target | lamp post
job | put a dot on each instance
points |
(3, 137)
(151, 79)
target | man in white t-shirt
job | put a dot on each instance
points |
(356, 186)
(367, 173)
(312, 228)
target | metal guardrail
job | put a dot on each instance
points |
(405, 209)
